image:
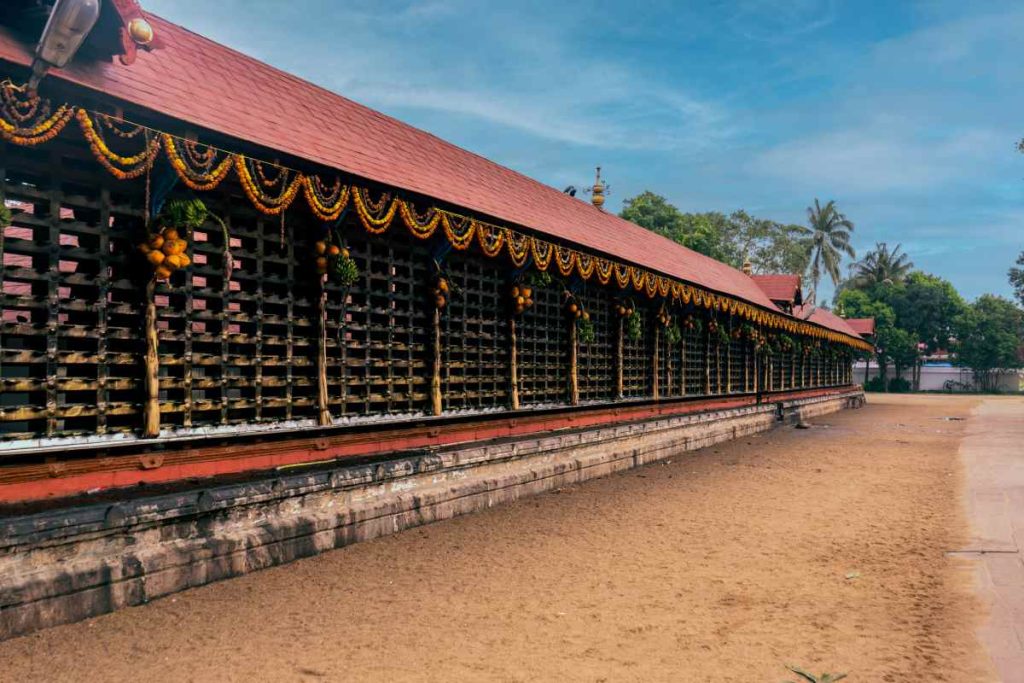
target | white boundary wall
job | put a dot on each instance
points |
(934, 378)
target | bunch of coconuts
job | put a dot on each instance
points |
(165, 251)
(625, 310)
(664, 318)
(325, 252)
(440, 292)
(576, 311)
(522, 298)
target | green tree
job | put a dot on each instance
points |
(772, 247)
(704, 233)
(857, 303)
(1017, 279)
(881, 265)
(990, 333)
(830, 239)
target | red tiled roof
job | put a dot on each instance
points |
(862, 326)
(825, 318)
(782, 287)
(206, 84)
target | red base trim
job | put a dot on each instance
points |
(69, 477)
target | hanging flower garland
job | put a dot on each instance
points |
(121, 167)
(420, 225)
(542, 253)
(490, 238)
(518, 247)
(376, 216)
(459, 230)
(565, 259)
(26, 119)
(201, 168)
(603, 268)
(287, 183)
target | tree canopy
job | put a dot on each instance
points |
(1016, 276)
(771, 247)
(881, 265)
(989, 334)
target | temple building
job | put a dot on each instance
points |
(213, 268)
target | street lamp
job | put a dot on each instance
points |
(69, 23)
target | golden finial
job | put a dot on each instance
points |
(599, 190)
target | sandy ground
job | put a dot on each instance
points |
(823, 548)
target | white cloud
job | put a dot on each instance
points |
(878, 158)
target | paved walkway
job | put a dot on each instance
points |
(993, 453)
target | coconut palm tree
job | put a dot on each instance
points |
(830, 239)
(881, 265)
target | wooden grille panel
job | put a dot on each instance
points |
(636, 359)
(475, 340)
(543, 339)
(597, 359)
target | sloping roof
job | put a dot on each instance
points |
(208, 85)
(862, 326)
(825, 318)
(779, 287)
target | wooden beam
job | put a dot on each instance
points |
(323, 413)
(151, 407)
(619, 357)
(574, 379)
(513, 362)
(435, 379)
(655, 360)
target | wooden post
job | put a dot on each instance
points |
(757, 375)
(682, 365)
(513, 363)
(792, 370)
(574, 380)
(619, 354)
(435, 380)
(655, 360)
(728, 367)
(718, 366)
(668, 366)
(151, 408)
(324, 415)
(707, 363)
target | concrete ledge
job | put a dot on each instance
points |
(71, 564)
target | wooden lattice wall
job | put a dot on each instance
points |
(243, 350)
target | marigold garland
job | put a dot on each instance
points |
(542, 252)
(47, 125)
(459, 230)
(204, 178)
(565, 259)
(327, 206)
(290, 182)
(622, 275)
(203, 167)
(421, 226)
(121, 167)
(518, 247)
(491, 239)
(373, 215)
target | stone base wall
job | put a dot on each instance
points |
(71, 564)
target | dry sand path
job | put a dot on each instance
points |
(992, 453)
(826, 548)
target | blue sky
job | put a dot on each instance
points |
(906, 113)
